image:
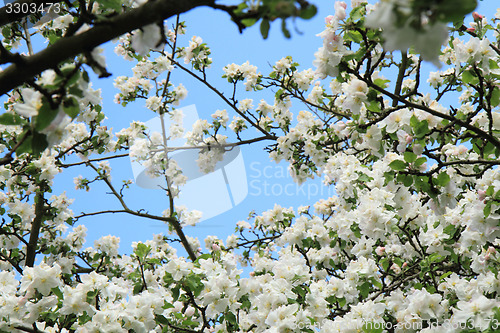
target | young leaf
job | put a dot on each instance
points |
(285, 30)
(11, 119)
(264, 28)
(409, 156)
(308, 12)
(398, 165)
(71, 107)
(39, 143)
(45, 116)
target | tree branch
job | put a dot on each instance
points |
(35, 229)
(8, 157)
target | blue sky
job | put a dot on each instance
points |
(267, 182)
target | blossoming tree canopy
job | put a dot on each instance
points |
(409, 242)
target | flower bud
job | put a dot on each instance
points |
(477, 16)
(189, 311)
(380, 250)
(481, 194)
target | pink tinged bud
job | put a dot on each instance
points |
(177, 307)
(252, 273)
(340, 8)
(396, 268)
(380, 250)
(477, 16)
(471, 29)
(215, 247)
(329, 19)
(405, 264)
(481, 194)
(409, 139)
(189, 311)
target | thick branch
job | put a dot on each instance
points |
(35, 229)
(401, 76)
(68, 47)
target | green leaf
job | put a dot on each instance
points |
(421, 129)
(450, 230)
(445, 275)
(57, 292)
(194, 283)
(113, 4)
(435, 257)
(242, 6)
(354, 36)
(231, 318)
(204, 256)
(487, 209)
(73, 79)
(490, 191)
(357, 13)
(137, 288)
(407, 180)
(409, 156)
(381, 82)
(71, 107)
(489, 148)
(454, 10)
(385, 264)
(175, 293)
(308, 12)
(373, 327)
(398, 165)
(495, 97)
(264, 28)
(421, 160)
(285, 30)
(443, 179)
(364, 289)
(142, 250)
(468, 77)
(374, 106)
(45, 116)
(11, 119)
(39, 143)
(248, 22)
(160, 319)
